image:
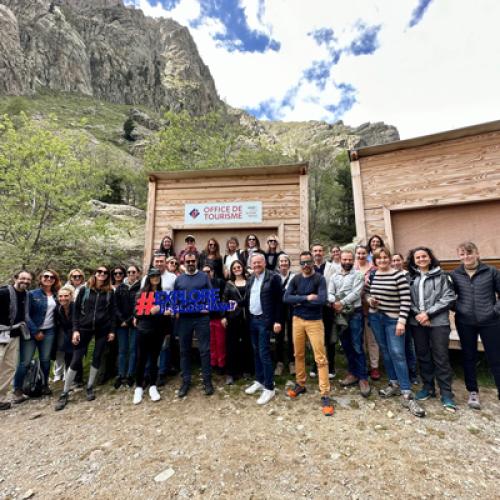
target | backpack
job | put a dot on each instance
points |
(34, 380)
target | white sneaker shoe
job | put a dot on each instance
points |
(57, 378)
(312, 374)
(256, 386)
(138, 395)
(154, 394)
(266, 396)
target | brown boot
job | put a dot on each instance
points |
(364, 388)
(349, 380)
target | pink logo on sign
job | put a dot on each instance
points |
(194, 213)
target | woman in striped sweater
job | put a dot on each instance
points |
(388, 295)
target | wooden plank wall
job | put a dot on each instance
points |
(280, 195)
(443, 173)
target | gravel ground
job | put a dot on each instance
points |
(226, 446)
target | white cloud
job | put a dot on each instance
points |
(441, 74)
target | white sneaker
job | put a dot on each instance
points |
(154, 394)
(266, 396)
(57, 378)
(312, 374)
(256, 386)
(138, 395)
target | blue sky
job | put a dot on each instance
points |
(422, 65)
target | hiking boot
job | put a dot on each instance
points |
(279, 369)
(266, 396)
(139, 391)
(118, 382)
(327, 407)
(448, 404)
(184, 389)
(256, 386)
(19, 397)
(390, 391)
(296, 391)
(364, 388)
(62, 401)
(208, 388)
(229, 380)
(424, 394)
(408, 401)
(5, 405)
(350, 379)
(291, 368)
(473, 401)
(90, 394)
(375, 374)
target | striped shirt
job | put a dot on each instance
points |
(392, 290)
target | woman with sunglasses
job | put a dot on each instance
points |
(167, 246)
(76, 278)
(211, 256)
(151, 327)
(125, 294)
(94, 317)
(252, 245)
(273, 252)
(41, 323)
(239, 354)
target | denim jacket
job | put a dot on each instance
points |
(37, 310)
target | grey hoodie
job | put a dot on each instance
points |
(432, 293)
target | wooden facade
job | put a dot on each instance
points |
(282, 190)
(436, 190)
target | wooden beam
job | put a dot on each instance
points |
(388, 229)
(150, 222)
(304, 211)
(357, 193)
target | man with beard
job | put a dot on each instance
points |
(13, 314)
(188, 322)
(344, 295)
(307, 295)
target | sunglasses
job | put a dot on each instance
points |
(48, 277)
(101, 271)
(211, 244)
(77, 277)
(251, 239)
(305, 263)
(117, 273)
(131, 272)
(272, 241)
(190, 261)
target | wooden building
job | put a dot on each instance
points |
(436, 190)
(230, 202)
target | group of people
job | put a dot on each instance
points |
(375, 303)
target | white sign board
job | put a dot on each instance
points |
(223, 213)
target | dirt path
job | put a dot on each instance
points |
(228, 447)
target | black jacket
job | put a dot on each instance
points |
(231, 292)
(94, 311)
(64, 326)
(125, 302)
(270, 297)
(476, 302)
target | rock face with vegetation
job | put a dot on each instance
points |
(103, 49)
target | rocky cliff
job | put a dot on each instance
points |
(103, 49)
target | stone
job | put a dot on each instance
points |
(164, 475)
(27, 494)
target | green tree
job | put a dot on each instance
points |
(214, 140)
(46, 180)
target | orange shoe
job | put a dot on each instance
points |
(296, 391)
(327, 407)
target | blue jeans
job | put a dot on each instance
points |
(26, 353)
(352, 342)
(392, 347)
(127, 351)
(261, 343)
(185, 327)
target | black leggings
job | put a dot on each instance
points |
(81, 349)
(149, 344)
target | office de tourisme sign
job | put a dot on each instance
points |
(223, 212)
